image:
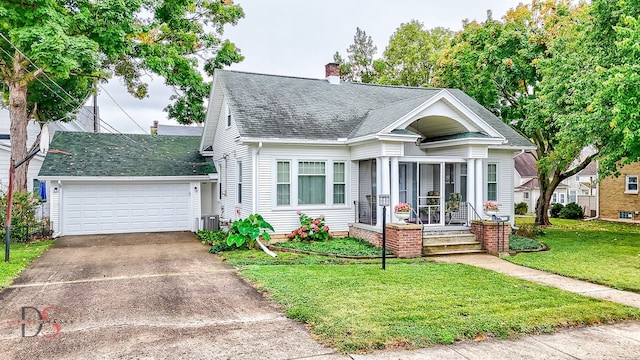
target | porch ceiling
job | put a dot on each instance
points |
(437, 126)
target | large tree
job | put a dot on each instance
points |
(506, 64)
(359, 64)
(52, 52)
(412, 55)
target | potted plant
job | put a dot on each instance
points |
(491, 208)
(402, 211)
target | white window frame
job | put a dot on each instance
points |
(329, 182)
(631, 181)
(239, 181)
(278, 182)
(335, 182)
(554, 198)
(526, 195)
(227, 115)
(563, 198)
(496, 182)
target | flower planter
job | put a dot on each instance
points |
(402, 217)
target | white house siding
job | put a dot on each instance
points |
(505, 166)
(284, 219)
(370, 150)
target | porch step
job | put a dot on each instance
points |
(450, 243)
(452, 248)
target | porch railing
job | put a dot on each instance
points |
(365, 212)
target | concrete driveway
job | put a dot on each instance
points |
(133, 296)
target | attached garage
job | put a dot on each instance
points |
(127, 207)
(112, 183)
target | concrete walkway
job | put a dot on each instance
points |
(561, 282)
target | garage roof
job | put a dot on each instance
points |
(90, 154)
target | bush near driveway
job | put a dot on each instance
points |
(606, 253)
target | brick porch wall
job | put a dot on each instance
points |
(405, 241)
(370, 236)
(495, 238)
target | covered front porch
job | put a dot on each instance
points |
(443, 194)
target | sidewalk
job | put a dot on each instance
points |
(618, 341)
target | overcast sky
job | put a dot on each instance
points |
(297, 38)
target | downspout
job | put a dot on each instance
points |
(59, 211)
(254, 186)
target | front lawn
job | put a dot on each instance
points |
(338, 246)
(20, 256)
(606, 253)
(354, 306)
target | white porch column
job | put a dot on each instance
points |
(471, 185)
(382, 186)
(395, 183)
(479, 185)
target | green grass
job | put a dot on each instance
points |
(606, 253)
(339, 246)
(518, 243)
(21, 255)
(354, 306)
(359, 307)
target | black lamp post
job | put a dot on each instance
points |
(384, 200)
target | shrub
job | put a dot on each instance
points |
(555, 210)
(210, 237)
(517, 243)
(521, 208)
(571, 211)
(23, 216)
(248, 231)
(311, 229)
(529, 231)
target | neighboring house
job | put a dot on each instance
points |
(619, 195)
(282, 145)
(116, 183)
(181, 130)
(83, 122)
(580, 188)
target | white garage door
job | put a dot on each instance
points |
(124, 207)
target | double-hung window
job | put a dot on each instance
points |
(339, 183)
(631, 184)
(283, 183)
(311, 182)
(239, 182)
(492, 182)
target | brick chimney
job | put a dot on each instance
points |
(154, 128)
(332, 73)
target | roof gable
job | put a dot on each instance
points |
(525, 164)
(89, 154)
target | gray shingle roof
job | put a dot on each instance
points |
(103, 154)
(182, 130)
(281, 107)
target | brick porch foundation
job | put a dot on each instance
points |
(494, 236)
(404, 240)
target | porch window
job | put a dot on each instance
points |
(492, 182)
(239, 182)
(311, 183)
(339, 185)
(283, 183)
(631, 184)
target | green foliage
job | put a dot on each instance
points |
(338, 246)
(359, 64)
(311, 229)
(412, 55)
(554, 212)
(246, 231)
(517, 243)
(521, 208)
(23, 216)
(21, 256)
(216, 239)
(529, 231)
(571, 211)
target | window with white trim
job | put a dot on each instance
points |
(573, 196)
(554, 198)
(227, 114)
(312, 180)
(563, 198)
(339, 183)
(283, 183)
(239, 182)
(525, 195)
(631, 184)
(492, 182)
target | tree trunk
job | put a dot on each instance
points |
(19, 122)
(542, 208)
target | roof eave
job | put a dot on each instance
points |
(283, 141)
(127, 178)
(467, 141)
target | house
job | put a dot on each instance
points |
(276, 145)
(580, 188)
(182, 130)
(83, 122)
(619, 199)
